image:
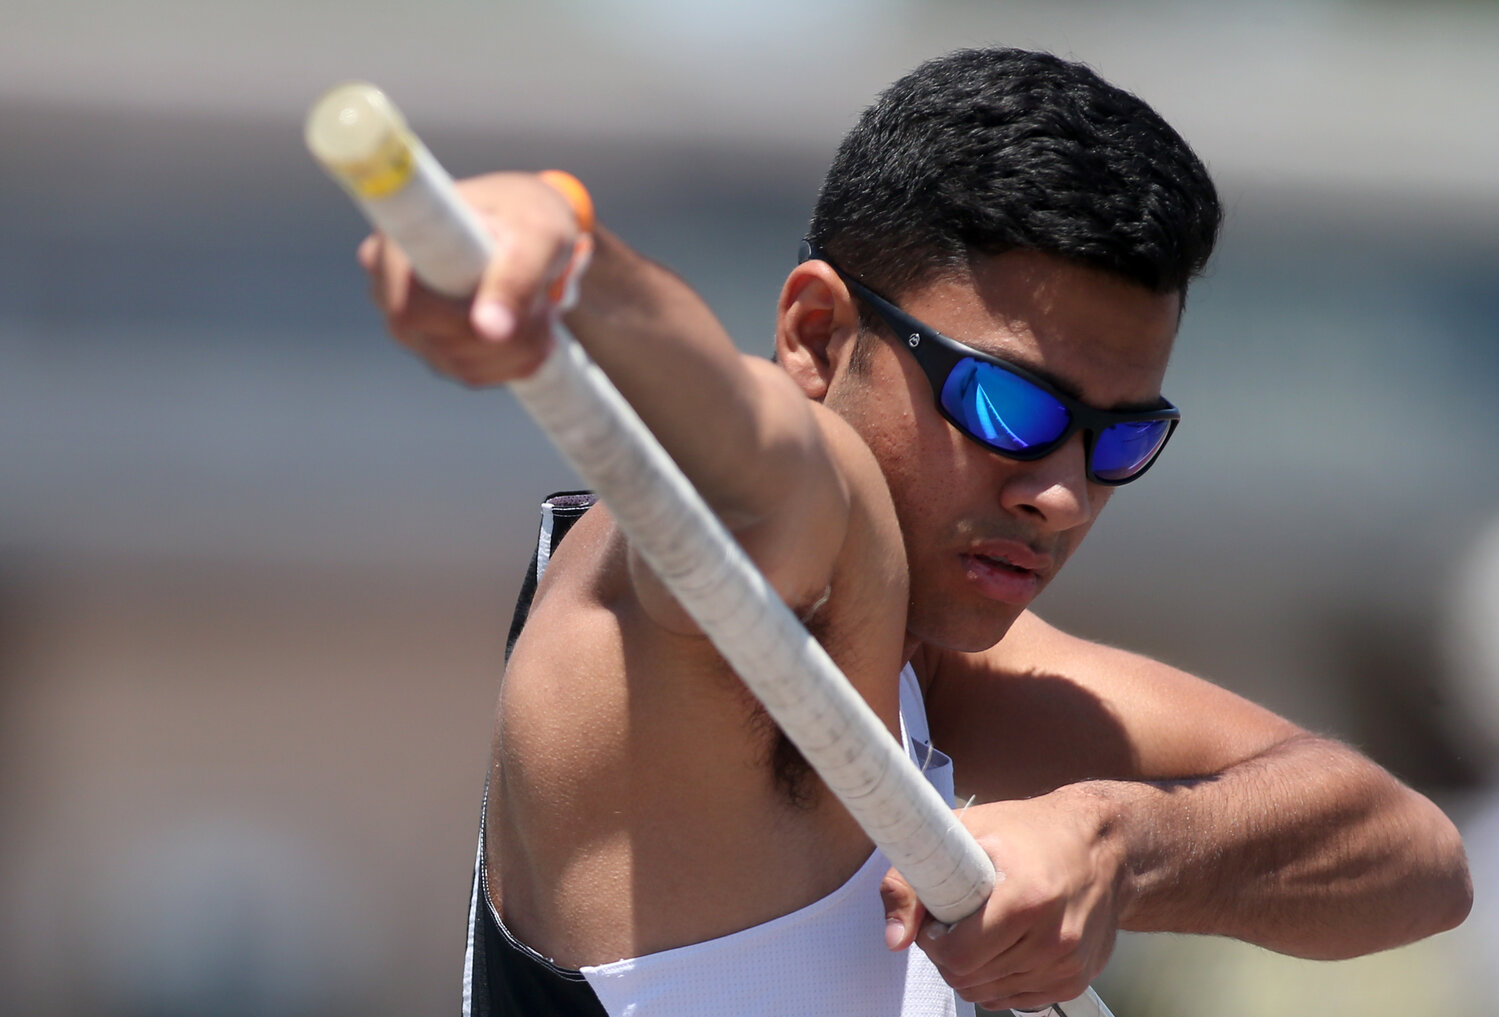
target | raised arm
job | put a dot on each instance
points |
(753, 445)
(1127, 794)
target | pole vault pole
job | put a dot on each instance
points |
(364, 143)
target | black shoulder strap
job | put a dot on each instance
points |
(558, 513)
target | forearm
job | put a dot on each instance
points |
(1307, 849)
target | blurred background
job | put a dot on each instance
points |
(256, 564)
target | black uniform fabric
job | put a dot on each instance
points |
(510, 979)
(560, 511)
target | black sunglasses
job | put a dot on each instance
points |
(1012, 412)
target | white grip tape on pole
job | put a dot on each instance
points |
(669, 524)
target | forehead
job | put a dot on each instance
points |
(1103, 339)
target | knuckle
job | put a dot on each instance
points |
(892, 890)
(401, 327)
(470, 375)
(962, 967)
(1068, 945)
(958, 980)
(1030, 904)
(1070, 969)
(1071, 988)
(1074, 988)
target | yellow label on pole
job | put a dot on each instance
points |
(385, 171)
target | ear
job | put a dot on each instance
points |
(817, 324)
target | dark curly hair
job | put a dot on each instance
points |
(984, 151)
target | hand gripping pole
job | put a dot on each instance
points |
(365, 145)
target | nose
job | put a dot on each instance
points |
(1053, 491)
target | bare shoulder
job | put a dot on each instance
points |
(820, 499)
(873, 542)
(622, 736)
(863, 623)
(1044, 708)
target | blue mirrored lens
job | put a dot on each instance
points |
(1001, 409)
(1123, 449)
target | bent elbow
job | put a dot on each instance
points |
(1434, 895)
(1447, 891)
(1462, 905)
(1456, 899)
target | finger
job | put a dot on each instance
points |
(369, 251)
(389, 271)
(492, 320)
(1031, 967)
(980, 947)
(904, 914)
(428, 317)
(401, 295)
(991, 992)
(1028, 991)
(999, 993)
(414, 314)
(514, 295)
(516, 287)
(485, 365)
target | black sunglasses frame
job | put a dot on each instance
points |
(938, 355)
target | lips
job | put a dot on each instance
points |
(1006, 571)
(1013, 553)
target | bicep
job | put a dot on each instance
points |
(807, 472)
(1043, 709)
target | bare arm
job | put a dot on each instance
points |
(1307, 848)
(1127, 794)
(772, 464)
(744, 434)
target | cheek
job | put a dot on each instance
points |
(876, 402)
(933, 487)
(1099, 495)
(926, 463)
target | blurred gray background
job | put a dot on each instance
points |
(256, 564)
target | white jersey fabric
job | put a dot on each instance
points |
(827, 959)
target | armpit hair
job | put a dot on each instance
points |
(794, 779)
(793, 776)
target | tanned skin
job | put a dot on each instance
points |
(633, 803)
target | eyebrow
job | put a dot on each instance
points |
(1038, 370)
(886, 309)
(1051, 379)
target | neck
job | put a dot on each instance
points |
(911, 645)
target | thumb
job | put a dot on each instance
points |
(509, 287)
(526, 275)
(904, 914)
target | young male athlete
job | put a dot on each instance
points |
(969, 362)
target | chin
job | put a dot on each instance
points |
(974, 634)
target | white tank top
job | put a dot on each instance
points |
(827, 959)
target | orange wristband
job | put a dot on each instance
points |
(576, 195)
